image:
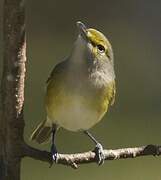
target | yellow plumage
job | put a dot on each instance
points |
(80, 89)
(76, 106)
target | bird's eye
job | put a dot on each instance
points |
(101, 48)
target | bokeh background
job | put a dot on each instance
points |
(134, 30)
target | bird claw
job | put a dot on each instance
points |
(100, 156)
(54, 157)
(54, 153)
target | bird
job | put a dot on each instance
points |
(80, 90)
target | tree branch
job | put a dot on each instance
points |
(12, 89)
(88, 157)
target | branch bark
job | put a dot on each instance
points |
(74, 160)
(12, 89)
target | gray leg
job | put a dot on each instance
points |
(98, 149)
(53, 146)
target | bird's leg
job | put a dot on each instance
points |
(53, 147)
(100, 156)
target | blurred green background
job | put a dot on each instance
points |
(134, 30)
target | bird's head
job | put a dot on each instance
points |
(92, 44)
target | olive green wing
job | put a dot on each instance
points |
(56, 70)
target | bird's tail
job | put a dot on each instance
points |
(42, 133)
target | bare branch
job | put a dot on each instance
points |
(88, 157)
(12, 89)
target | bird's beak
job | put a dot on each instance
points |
(82, 30)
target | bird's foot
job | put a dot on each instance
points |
(100, 156)
(54, 153)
